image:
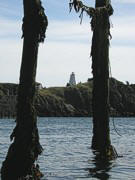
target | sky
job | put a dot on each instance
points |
(67, 45)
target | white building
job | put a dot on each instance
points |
(72, 80)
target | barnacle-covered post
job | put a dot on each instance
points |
(100, 68)
(24, 151)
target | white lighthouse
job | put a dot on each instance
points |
(72, 80)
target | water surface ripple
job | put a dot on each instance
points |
(67, 154)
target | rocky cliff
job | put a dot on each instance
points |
(72, 100)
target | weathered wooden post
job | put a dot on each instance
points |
(100, 68)
(26, 147)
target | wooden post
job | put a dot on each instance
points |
(25, 148)
(100, 67)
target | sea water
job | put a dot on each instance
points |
(67, 154)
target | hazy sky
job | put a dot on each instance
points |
(67, 46)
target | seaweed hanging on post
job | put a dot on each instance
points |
(100, 26)
(24, 151)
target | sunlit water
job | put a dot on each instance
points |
(67, 154)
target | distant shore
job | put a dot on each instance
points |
(70, 101)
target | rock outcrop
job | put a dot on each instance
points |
(71, 101)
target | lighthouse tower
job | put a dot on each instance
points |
(72, 80)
